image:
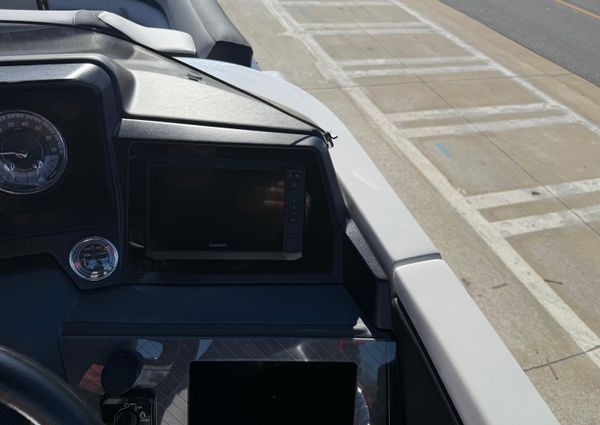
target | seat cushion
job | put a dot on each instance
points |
(202, 18)
(138, 11)
(214, 34)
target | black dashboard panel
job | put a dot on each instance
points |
(146, 84)
(129, 82)
(100, 195)
(165, 371)
(118, 105)
(78, 99)
(320, 231)
(82, 197)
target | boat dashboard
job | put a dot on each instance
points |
(125, 208)
(179, 250)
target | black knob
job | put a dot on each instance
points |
(126, 417)
(120, 372)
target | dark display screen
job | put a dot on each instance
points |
(196, 209)
(271, 393)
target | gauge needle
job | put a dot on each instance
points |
(20, 154)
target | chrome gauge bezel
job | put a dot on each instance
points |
(79, 246)
(64, 156)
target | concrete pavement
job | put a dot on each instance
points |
(493, 148)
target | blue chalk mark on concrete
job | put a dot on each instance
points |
(444, 150)
(305, 12)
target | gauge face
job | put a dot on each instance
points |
(94, 258)
(33, 154)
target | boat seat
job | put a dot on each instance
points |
(214, 34)
(21, 5)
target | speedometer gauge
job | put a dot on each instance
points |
(33, 153)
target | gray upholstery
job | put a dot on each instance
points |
(213, 33)
(18, 4)
(138, 11)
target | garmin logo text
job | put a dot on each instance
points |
(217, 245)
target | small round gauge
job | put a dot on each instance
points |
(94, 258)
(33, 153)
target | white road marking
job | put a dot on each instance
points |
(554, 220)
(372, 31)
(354, 25)
(500, 68)
(583, 336)
(407, 61)
(509, 197)
(363, 73)
(484, 111)
(335, 3)
(493, 126)
(538, 193)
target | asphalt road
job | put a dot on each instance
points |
(565, 31)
